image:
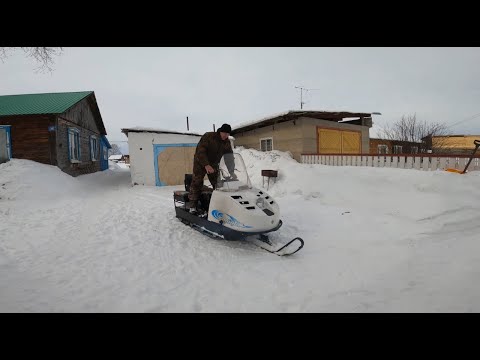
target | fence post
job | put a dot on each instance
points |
(417, 163)
(452, 163)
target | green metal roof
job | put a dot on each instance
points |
(29, 104)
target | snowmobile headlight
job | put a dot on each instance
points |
(260, 203)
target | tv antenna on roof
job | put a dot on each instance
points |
(301, 94)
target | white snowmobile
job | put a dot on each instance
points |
(235, 210)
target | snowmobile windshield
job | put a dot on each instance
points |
(233, 174)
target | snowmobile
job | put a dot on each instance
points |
(234, 210)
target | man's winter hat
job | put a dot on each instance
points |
(225, 128)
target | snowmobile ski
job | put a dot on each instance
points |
(281, 249)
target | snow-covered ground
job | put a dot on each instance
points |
(376, 240)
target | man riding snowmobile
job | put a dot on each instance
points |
(210, 150)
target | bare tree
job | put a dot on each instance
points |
(408, 130)
(115, 150)
(43, 55)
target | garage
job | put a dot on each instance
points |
(160, 157)
(307, 132)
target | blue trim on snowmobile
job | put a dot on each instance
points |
(222, 231)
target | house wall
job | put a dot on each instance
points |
(104, 154)
(81, 117)
(407, 146)
(454, 144)
(297, 137)
(30, 137)
(374, 145)
(141, 150)
(286, 136)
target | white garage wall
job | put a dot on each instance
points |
(140, 144)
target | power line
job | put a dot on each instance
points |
(469, 118)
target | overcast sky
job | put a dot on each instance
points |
(160, 87)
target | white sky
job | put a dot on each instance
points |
(160, 87)
(376, 240)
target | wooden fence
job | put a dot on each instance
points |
(425, 162)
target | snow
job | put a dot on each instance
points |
(279, 114)
(113, 165)
(252, 122)
(376, 240)
(115, 157)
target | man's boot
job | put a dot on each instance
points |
(192, 204)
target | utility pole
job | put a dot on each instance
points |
(301, 94)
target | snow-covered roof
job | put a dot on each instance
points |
(292, 114)
(158, 130)
(115, 157)
(253, 122)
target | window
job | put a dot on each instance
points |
(105, 153)
(94, 149)
(397, 149)
(383, 149)
(266, 144)
(5, 146)
(74, 145)
(414, 150)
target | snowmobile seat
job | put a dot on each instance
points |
(180, 195)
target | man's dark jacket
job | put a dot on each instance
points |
(210, 149)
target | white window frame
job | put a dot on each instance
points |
(94, 148)
(74, 136)
(395, 149)
(382, 146)
(266, 142)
